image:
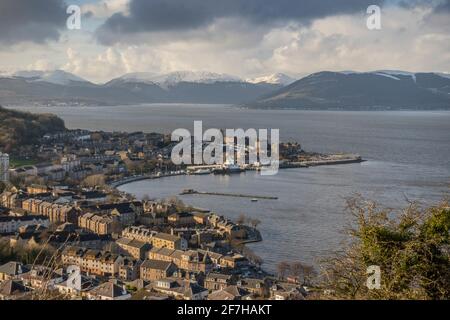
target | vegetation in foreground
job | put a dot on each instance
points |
(412, 251)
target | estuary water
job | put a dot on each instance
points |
(407, 153)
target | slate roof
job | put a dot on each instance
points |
(13, 268)
(110, 290)
(12, 287)
(156, 264)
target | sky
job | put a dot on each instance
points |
(245, 38)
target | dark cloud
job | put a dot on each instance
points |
(31, 20)
(443, 7)
(436, 5)
(167, 15)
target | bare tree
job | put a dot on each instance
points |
(308, 274)
(176, 201)
(241, 219)
(255, 222)
(96, 180)
(297, 269)
(283, 268)
(252, 256)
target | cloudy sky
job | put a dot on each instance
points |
(247, 38)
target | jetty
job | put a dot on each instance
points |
(223, 194)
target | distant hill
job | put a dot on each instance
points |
(323, 90)
(353, 90)
(21, 128)
(59, 87)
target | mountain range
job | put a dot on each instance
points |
(383, 89)
(60, 87)
(362, 90)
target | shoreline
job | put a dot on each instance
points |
(292, 165)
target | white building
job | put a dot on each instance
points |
(10, 224)
(4, 167)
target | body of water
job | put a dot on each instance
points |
(408, 157)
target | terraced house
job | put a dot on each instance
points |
(156, 269)
(156, 239)
(55, 212)
(10, 224)
(135, 248)
(190, 260)
(98, 224)
(102, 263)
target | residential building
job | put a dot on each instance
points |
(140, 233)
(218, 281)
(165, 240)
(287, 291)
(181, 218)
(96, 223)
(157, 269)
(11, 270)
(108, 291)
(181, 289)
(102, 263)
(230, 293)
(234, 261)
(191, 260)
(129, 269)
(135, 248)
(37, 189)
(258, 287)
(10, 224)
(58, 213)
(13, 290)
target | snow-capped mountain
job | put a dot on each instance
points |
(392, 74)
(276, 78)
(56, 76)
(383, 89)
(387, 89)
(132, 88)
(173, 78)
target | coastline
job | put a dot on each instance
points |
(288, 165)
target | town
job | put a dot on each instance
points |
(60, 213)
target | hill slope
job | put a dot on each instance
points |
(20, 128)
(54, 88)
(351, 90)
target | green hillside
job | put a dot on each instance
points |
(21, 128)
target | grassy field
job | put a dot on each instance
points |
(14, 163)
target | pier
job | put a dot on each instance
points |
(236, 195)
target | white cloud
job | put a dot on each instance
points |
(412, 40)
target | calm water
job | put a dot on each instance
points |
(408, 153)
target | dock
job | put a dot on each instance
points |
(236, 195)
